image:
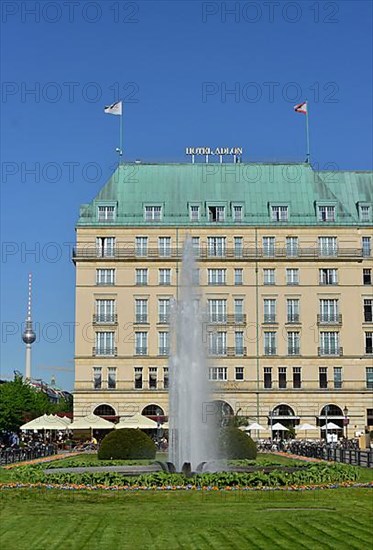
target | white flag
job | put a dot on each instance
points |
(114, 109)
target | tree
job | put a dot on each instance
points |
(20, 403)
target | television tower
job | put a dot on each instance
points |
(28, 335)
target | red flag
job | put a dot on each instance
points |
(301, 108)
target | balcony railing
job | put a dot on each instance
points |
(330, 351)
(293, 318)
(269, 318)
(293, 350)
(104, 352)
(89, 252)
(237, 351)
(329, 319)
(141, 351)
(164, 318)
(224, 319)
(217, 351)
(270, 351)
(141, 319)
(164, 351)
(105, 319)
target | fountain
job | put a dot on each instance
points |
(192, 436)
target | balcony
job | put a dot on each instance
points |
(293, 318)
(141, 351)
(329, 319)
(270, 350)
(164, 319)
(330, 351)
(165, 352)
(293, 350)
(105, 319)
(104, 352)
(89, 252)
(141, 319)
(219, 351)
(269, 318)
(224, 319)
(238, 351)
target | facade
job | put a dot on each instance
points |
(284, 256)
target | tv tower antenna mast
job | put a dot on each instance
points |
(28, 335)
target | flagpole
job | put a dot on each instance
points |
(120, 136)
(307, 135)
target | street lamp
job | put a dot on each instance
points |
(271, 421)
(345, 420)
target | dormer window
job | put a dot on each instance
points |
(326, 213)
(106, 213)
(153, 213)
(194, 213)
(365, 212)
(280, 213)
(237, 212)
(216, 213)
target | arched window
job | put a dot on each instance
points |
(283, 410)
(104, 410)
(331, 410)
(153, 410)
(219, 413)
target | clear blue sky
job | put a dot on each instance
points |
(160, 55)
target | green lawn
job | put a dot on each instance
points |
(329, 519)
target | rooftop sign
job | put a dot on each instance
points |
(214, 151)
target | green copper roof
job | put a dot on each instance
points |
(254, 186)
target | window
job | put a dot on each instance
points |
(326, 213)
(141, 246)
(237, 213)
(194, 213)
(238, 310)
(218, 373)
(164, 246)
(268, 377)
(165, 378)
(105, 311)
(279, 213)
(282, 378)
(216, 276)
(328, 246)
(365, 212)
(238, 340)
(337, 378)
(238, 276)
(297, 379)
(367, 310)
(141, 311)
(369, 378)
(217, 343)
(269, 276)
(153, 213)
(367, 276)
(105, 343)
(367, 247)
(328, 311)
(369, 343)
(323, 377)
(97, 378)
(105, 247)
(195, 245)
(138, 378)
(163, 343)
(216, 213)
(370, 411)
(292, 276)
(293, 343)
(270, 343)
(269, 246)
(141, 343)
(152, 378)
(111, 378)
(195, 276)
(217, 311)
(216, 246)
(239, 373)
(238, 247)
(165, 277)
(328, 276)
(292, 310)
(141, 277)
(269, 310)
(105, 277)
(106, 213)
(329, 343)
(292, 246)
(164, 310)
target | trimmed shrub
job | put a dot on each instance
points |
(235, 444)
(126, 444)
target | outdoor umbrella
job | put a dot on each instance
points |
(279, 427)
(305, 428)
(254, 426)
(136, 421)
(331, 426)
(91, 422)
(46, 422)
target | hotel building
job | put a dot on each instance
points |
(284, 266)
